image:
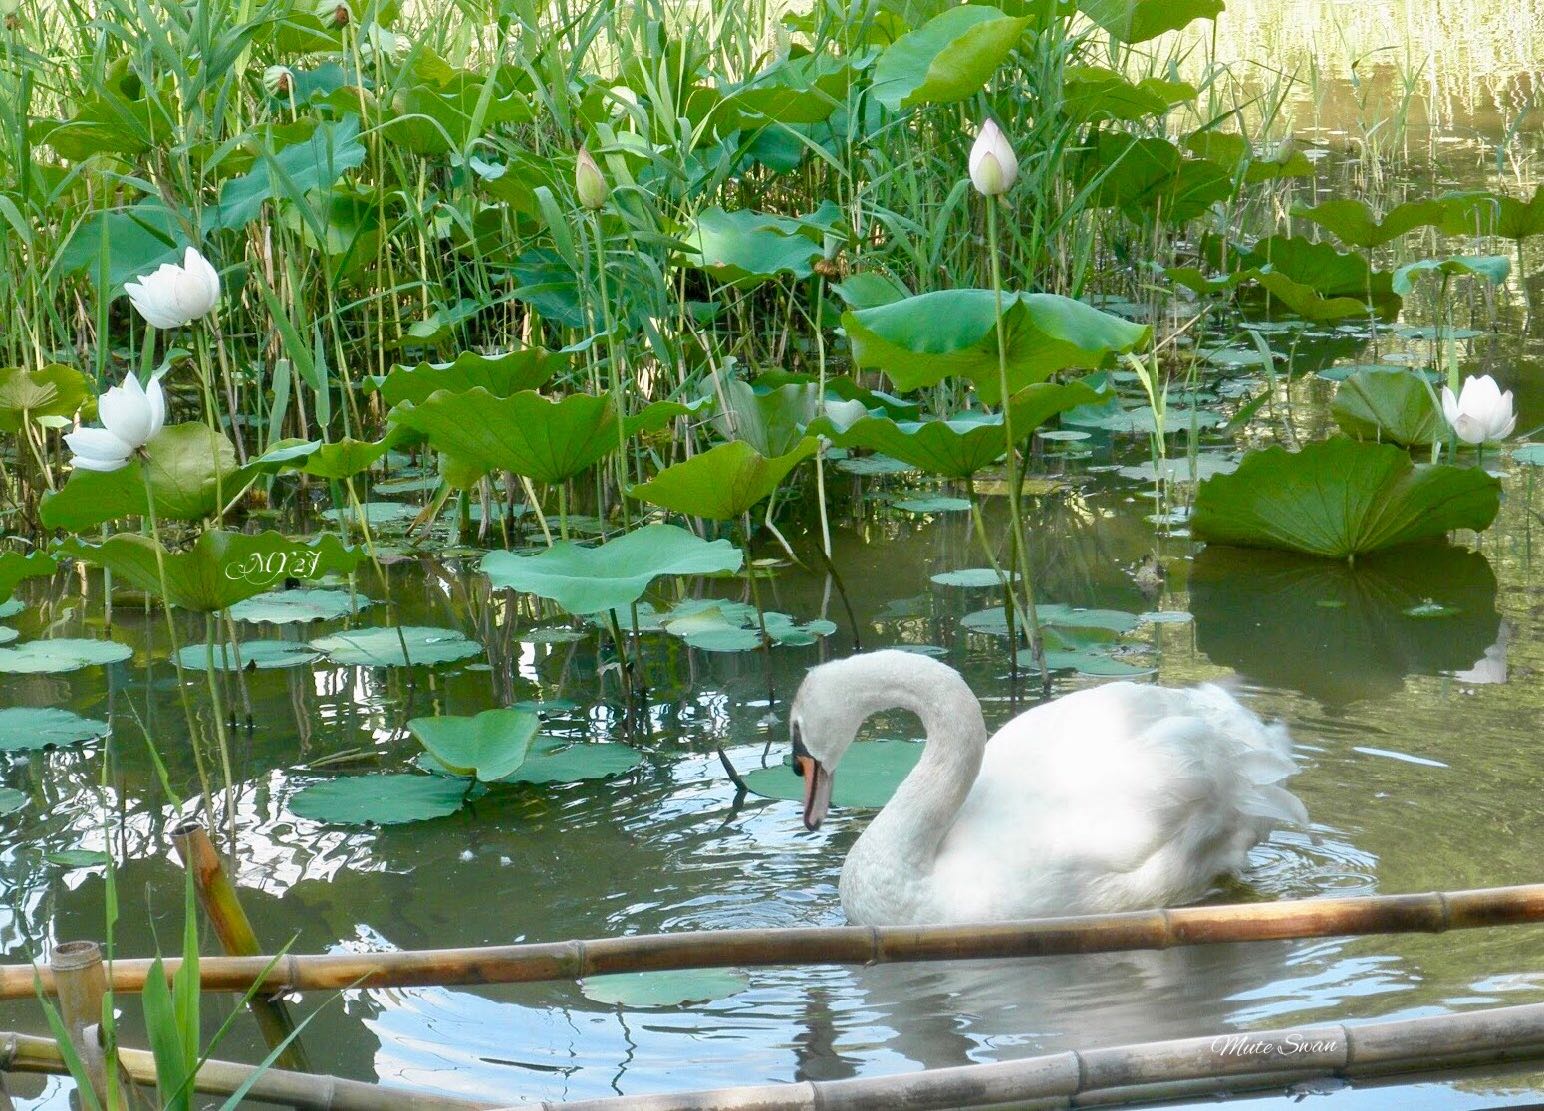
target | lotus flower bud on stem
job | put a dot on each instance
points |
(993, 165)
(334, 13)
(589, 182)
(279, 80)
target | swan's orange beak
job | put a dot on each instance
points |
(817, 789)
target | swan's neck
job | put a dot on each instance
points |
(906, 833)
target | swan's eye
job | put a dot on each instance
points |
(800, 753)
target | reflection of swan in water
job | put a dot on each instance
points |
(1113, 798)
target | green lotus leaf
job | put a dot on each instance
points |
(1491, 268)
(131, 241)
(1481, 212)
(279, 607)
(1319, 266)
(54, 390)
(61, 654)
(220, 569)
(190, 468)
(25, 729)
(948, 58)
(501, 375)
(14, 567)
(960, 446)
(924, 339)
(745, 248)
(435, 118)
(798, 90)
(1304, 300)
(869, 775)
(550, 762)
(380, 800)
(348, 457)
(1093, 92)
(1150, 179)
(1393, 404)
(249, 655)
(332, 149)
(1340, 498)
(613, 575)
(971, 578)
(1352, 221)
(384, 647)
(722, 482)
(673, 988)
(489, 746)
(1230, 150)
(771, 420)
(1140, 20)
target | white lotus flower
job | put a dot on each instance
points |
(131, 416)
(173, 295)
(1481, 413)
(993, 165)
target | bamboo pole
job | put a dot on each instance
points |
(81, 987)
(1434, 912)
(217, 895)
(1232, 1062)
(307, 1091)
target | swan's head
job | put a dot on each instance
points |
(827, 713)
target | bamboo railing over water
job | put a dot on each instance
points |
(567, 960)
(1232, 1063)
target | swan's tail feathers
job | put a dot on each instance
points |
(1262, 758)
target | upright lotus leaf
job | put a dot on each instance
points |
(612, 575)
(948, 58)
(14, 567)
(746, 248)
(723, 482)
(771, 420)
(1340, 498)
(1387, 403)
(1140, 20)
(1150, 179)
(1319, 266)
(348, 457)
(190, 468)
(1491, 268)
(1093, 92)
(798, 90)
(924, 339)
(1230, 150)
(960, 446)
(130, 241)
(332, 149)
(1352, 221)
(526, 368)
(435, 118)
(544, 439)
(489, 746)
(220, 569)
(1304, 300)
(1484, 213)
(54, 390)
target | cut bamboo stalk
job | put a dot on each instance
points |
(81, 987)
(28, 1053)
(1232, 1063)
(567, 960)
(217, 895)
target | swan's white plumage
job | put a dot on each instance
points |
(1118, 797)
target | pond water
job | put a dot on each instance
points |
(1417, 737)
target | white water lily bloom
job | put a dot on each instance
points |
(993, 165)
(1481, 413)
(131, 416)
(173, 295)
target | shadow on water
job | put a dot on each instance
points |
(1341, 632)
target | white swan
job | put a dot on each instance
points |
(1119, 797)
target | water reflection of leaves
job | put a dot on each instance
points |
(1337, 632)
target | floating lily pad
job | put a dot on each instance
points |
(571, 763)
(673, 988)
(866, 778)
(613, 575)
(379, 799)
(939, 504)
(1530, 454)
(279, 607)
(489, 746)
(971, 578)
(11, 800)
(376, 513)
(716, 625)
(77, 858)
(260, 655)
(12, 608)
(7, 634)
(46, 657)
(383, 647)
(874, 465)
(553, 634)
(27, 729)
